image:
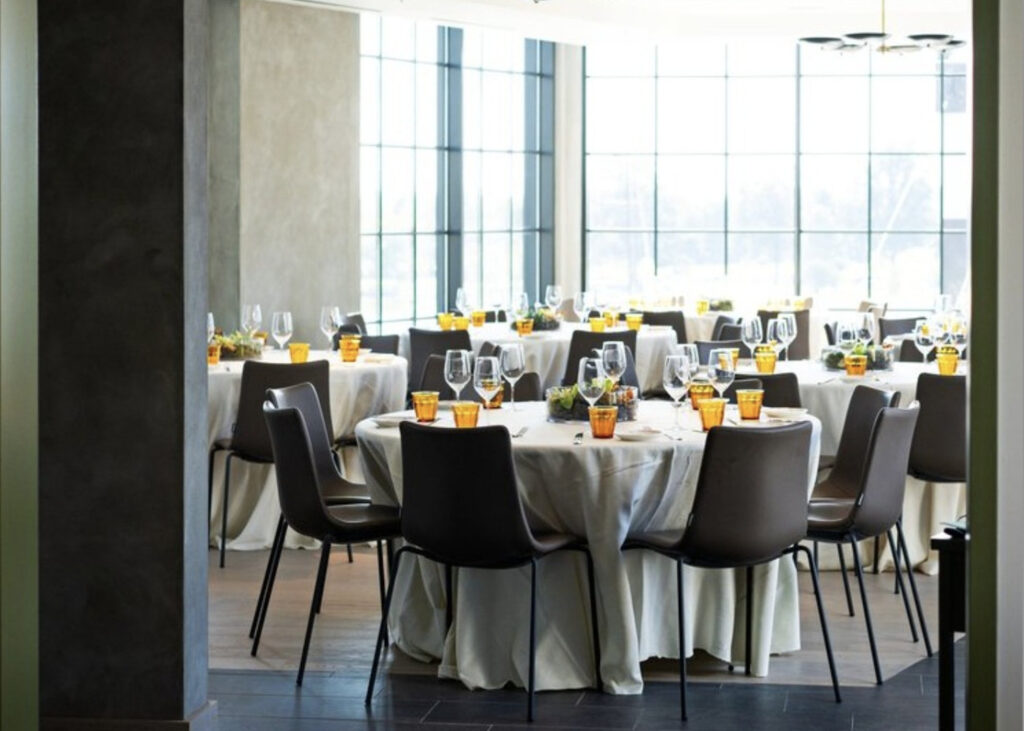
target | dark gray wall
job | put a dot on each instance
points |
(122, 291)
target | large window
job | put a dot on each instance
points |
(456, 144)
(774, 169)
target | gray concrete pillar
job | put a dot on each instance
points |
(122, 396)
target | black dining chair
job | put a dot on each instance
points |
(874, 510)
(888, 326)
(800, 348)
(583, 344)
(299, 490)
(672, 318)
(424, 343)
(781, 390)
(355, 318)
(249, 440)
(830, 332)
(492, 316)
(750, 508)
(735, 332)
(720, 322)
(335, 490)
(939, 451)
(380, 343)
(704, 347)
(528, 388)
(461, 508)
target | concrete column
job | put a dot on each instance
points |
(122, 398)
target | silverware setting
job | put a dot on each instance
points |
(578, 439)
(520, 432)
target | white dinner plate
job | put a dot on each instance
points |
(637, 433)
(783, 412)
(391, 421)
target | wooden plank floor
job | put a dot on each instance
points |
(345, 631)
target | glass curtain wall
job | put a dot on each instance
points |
(452, 133)
(775, 169)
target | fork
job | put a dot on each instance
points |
(578, 439)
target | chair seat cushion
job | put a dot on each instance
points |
(342, 492)
(357, 523)
(829, 516)
(833, 488)
(544, 543)
(661, 541)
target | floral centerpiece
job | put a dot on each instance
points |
(566, 404)
(543, 319)
(879, 357)
(720, 305)
(238, 346)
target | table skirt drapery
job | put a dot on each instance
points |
(602, 491)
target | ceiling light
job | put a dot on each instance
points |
(883, 42)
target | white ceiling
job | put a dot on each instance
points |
(587, 21)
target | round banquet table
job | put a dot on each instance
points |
(826, 394)
(602, 490)
(547, 352)
(373, 385)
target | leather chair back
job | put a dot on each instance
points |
(460, 502)
(433, 380)
(528, 388)
(939, 452)
(720, 322)
(880, 502)
(855, 439)
(751, 499)
(896, 326)
(303, 398)
(355, 318)
(250, 438)
(298, 488)
(380, 343)
(672, 318)
(781, 390)
(584, 342)
(424, 343)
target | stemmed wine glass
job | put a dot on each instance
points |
(676, 381)
(789, 330)
(462, 301)
(457, 370)
(521, 305)
(957, 334)
(924, 338)
(866, 329)
(613, 360)
(211, 330)
(330, 321)
(590, 380)
(692, 355)
(721, 371)
(846, 336)
(487, 378)
(513, 366)
(750, 334)
(553, 296)
(582, 304)
(251, 319)
(281, 327)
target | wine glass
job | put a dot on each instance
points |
(675, 379)
(251, 319)
(750, 334)
(553, 296)
(590, 380)
(521, 304)
(211, 330)
(281, 327)
(721, 371)
(486, 377)
(462, 301)
(513, 366)
(498, 306)
(866, 328)
(789, 331)
(582, 304)
(924, 338)
(330, 321)
(692, 356)
(613, 360)
(776, 334)
(457, 370)
(957, 334)
(846, 336)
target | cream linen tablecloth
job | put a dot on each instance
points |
(826, 394)
(358, 390)
(546, 352)
(602, 490)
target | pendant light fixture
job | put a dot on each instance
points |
(883, 42)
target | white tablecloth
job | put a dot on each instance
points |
(603, 490)
(546, 352)
(826, 394)
(358, 390)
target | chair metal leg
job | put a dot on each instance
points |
(348, 549)
(593, 620)
(867, 611)
(382, 586)
(899, 583)
(913, 586)
(533, 639)
(878, 557)
(815, 552)
(681, 619)
(318, 590)
(224, 508)
(449, 597)
(750, 611)
(320, 602)
(846, 579)
(382, 630)
(268, 580)
(824, 621)
(209, 492)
